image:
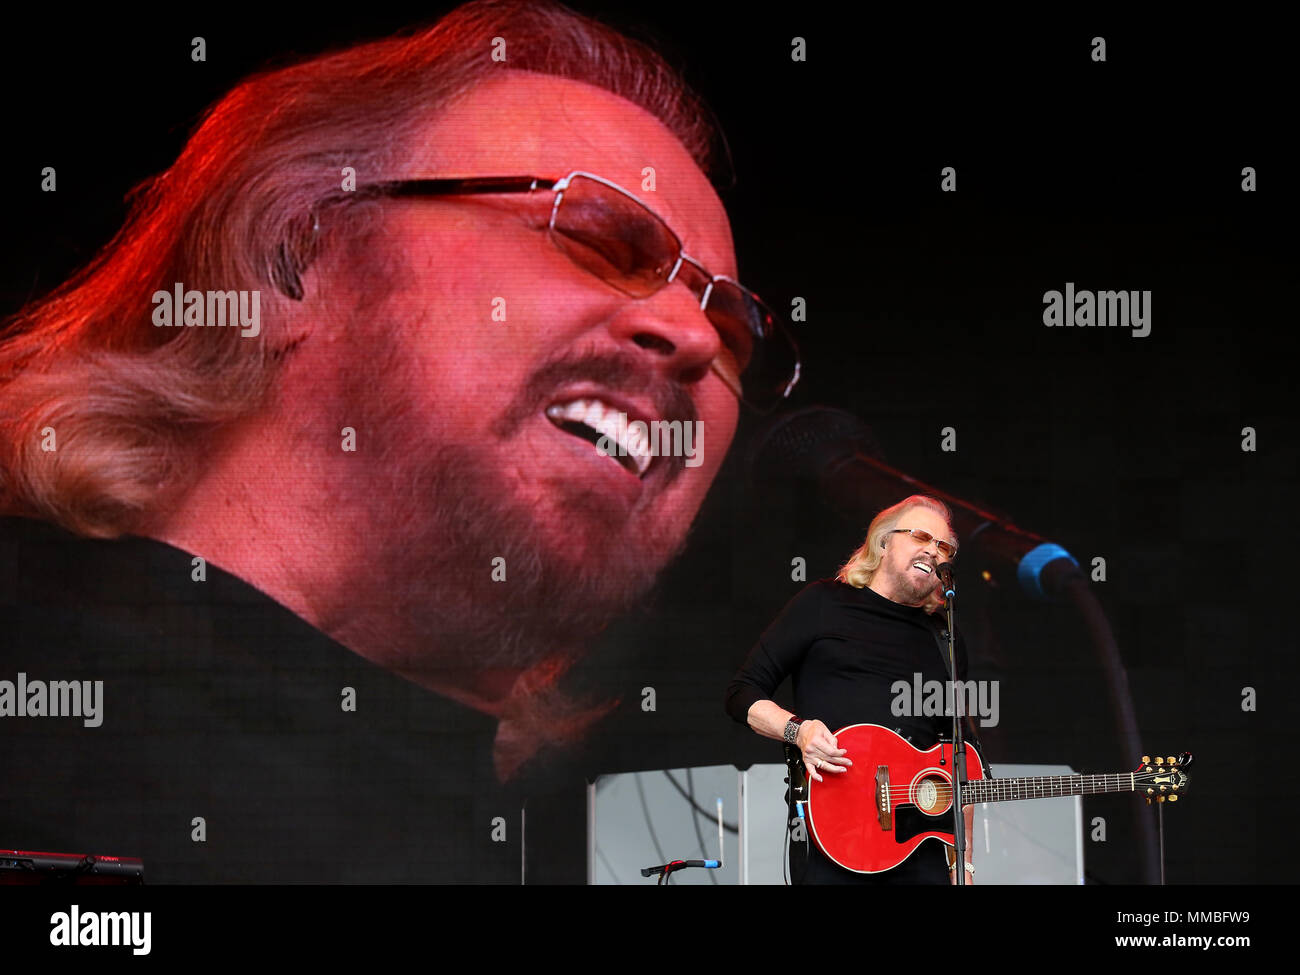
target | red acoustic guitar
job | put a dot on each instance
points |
(873, 816)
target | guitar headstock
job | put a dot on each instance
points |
(1163, 777)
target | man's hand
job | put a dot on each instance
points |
(820, 753)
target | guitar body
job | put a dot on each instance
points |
(893, 798)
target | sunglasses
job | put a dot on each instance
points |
(946, 549)
(608, 232)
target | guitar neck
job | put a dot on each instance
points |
(1047, 787)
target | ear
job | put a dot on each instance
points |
(882, 543)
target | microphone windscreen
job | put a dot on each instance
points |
(806, 443)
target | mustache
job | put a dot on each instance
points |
(619, 371)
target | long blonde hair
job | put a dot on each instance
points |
(133, 406)
(861, 566)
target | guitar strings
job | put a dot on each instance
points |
(1023, 789)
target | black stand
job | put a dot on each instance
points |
(958, 742)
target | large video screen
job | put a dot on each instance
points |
(408, 418)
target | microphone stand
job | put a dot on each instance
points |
(664, 870)
(958, 741)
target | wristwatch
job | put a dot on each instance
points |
(792, 730)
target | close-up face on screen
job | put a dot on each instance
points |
(521, 443)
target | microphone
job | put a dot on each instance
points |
(836, 450)
(945, 579)
(675, 865)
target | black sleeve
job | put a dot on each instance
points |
(777, 652)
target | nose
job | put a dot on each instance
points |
(670, 329)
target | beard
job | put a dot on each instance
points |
(560, 587)
(910, 588)
(478, 580)
(438, 516)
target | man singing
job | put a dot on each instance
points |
(844, 642)
(331, 565)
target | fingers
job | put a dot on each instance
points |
(812, 764)
(821, 752)
(827, 763)
(825, 747)
(826, 742)
(824, 763)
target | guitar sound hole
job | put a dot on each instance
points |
(932, 794)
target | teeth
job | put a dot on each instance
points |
(607, 421)
(923, 567)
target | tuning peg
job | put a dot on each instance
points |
(1163, 788)
(1173, 798)
(1150, 791)
(1159, 760)
(1148, 799)
(1146, 759)
(1171, 760)
(1160, 798)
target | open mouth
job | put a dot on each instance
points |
(925, 567)
(607, 428)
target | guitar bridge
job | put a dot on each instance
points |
(883, 810)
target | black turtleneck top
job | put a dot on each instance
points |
(844, 649)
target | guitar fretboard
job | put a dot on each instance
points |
(1046, 787)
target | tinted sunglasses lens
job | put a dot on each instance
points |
(765, 355)
(737, 324)
(614, 237)
(617, 239)
(946, 550)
